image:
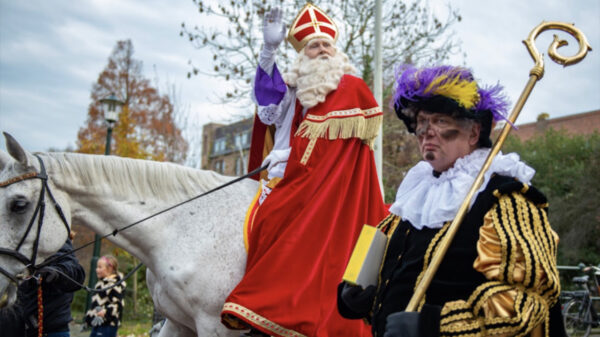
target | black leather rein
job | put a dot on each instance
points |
(37, 213)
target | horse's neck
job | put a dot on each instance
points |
(107, 194)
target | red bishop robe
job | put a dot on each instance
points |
(305, 230)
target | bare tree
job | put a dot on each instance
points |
(412, 34)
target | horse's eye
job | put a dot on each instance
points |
(19, 205)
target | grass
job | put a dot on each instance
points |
(138, 328)
(130, 327)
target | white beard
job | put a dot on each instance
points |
(315, 78)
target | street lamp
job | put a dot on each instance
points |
(112, 107)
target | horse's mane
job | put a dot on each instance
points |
(126, 176)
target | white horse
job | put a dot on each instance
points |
(194, 253)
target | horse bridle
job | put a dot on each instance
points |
(39, 213)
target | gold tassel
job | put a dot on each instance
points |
(360, 127)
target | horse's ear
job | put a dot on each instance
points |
(15, 150)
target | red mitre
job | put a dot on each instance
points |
(311, 23)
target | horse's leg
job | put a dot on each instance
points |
(209, 325)
(206, 319)
(164, 303)
(171, 329)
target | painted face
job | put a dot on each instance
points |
(319, 48)
(103, 269)
(443, 139)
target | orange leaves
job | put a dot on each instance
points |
(145, 127)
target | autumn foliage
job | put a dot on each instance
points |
(145, 128)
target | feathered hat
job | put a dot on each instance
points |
(311, 23)
(449, 90)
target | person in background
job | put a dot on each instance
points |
(107, 303)
(60, 279)
(498, 276)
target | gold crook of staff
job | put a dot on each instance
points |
(536, 73)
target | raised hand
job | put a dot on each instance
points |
(273, 28)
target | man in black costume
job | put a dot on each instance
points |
(499, 276)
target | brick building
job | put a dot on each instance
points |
(581, 123)
(225, 147)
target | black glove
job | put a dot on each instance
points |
(402, 324)
(425, 323)
(358, 299)
(48, 274)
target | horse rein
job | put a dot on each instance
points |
(39, 212)
(30, 263)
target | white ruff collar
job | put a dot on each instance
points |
(427, 201)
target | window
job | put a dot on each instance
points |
(219, 145)
(219, 166)
(242, 140)
(246, 138)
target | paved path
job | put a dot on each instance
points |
(76, 330)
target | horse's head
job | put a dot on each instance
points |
(31, 229)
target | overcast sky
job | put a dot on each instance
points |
(51, 53)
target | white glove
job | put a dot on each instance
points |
(276, 157)
(273, 29)
(97, 321)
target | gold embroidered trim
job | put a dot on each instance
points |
(388, 226)
(346, 113)
(525, 188)
(309, 149)
(433, 245)
(344, 124)
(470, 322)
(522, 226)
(524, 233)
(535, 238)
(250, 316)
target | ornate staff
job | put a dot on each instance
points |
(535, 74)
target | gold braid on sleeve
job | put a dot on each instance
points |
(517, 254)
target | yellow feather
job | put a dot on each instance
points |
(462, 91)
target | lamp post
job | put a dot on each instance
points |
(111, 106)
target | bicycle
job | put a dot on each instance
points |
(579, 314)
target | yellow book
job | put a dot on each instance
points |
(366, 258)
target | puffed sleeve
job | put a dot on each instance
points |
(517, 254)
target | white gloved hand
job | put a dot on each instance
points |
(273, 28)
(276, 157)
(97, 321)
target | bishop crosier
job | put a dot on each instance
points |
(321, 186)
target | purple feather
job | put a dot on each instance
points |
(411, 85)
(492, 98)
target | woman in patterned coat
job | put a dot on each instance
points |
(107, 305)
